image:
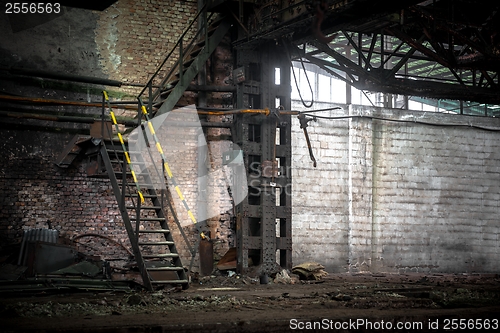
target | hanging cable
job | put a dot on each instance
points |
(320, 110)
(295, 79)
(405, 121)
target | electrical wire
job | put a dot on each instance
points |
(295, 78)
(320, 110)
(405, 121)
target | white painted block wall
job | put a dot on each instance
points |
(392, 196)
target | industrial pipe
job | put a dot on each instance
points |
(69, 119)
(60, 102)
(64, 77)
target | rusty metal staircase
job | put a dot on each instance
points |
(140, 204)
(72, 150)
(143, 214)
(188, 56)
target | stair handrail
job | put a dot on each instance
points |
(179, 64)
(124, 148)
(179, 42)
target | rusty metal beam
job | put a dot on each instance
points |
(64, 77)
(36, 100)
(419, 46)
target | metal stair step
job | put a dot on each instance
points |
(144, 184)
(170, 282)
(115, 161)
(131, 183)
(133, 162)
(194, 52)
(119, 174)
(144, 195)
(156, 231)
(175, 268)
(148, 219)
(172, 84)
(121, 151)
(145, 207)
(161, 255)
(157, 243)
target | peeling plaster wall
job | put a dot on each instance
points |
(133, 37)
(58, 43)
(61, 42)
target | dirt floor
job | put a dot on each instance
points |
(342, 302)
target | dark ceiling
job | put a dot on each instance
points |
(443, 49)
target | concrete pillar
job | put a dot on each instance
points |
(360, 148)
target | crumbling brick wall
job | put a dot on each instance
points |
(126, 42)
(35, 193)
(133, 37)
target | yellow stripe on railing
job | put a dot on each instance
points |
(167, 167)
(122, 142)
(151, 129)
(113, 118)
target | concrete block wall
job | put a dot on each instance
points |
(320, 201)
(436, 198)
(415, 198)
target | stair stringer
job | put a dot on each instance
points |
(195, 67)
(125, 217)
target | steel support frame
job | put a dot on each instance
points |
(384, 68)
(263, 221)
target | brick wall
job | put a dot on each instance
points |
(320, 206)
(398, 196)
(133, 37)
(34, 191)
(126, 42)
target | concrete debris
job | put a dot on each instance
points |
(284, 277)
(135, 300)
(225, 281)
(310, 271)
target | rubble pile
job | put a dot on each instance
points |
(310, 271)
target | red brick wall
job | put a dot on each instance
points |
(130, 40)
(133, 37)
(33, 191)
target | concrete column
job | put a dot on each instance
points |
(360, 168)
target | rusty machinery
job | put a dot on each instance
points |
(263, 219)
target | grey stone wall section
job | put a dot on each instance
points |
(360, 190)
(320, 206)
(398, 196)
